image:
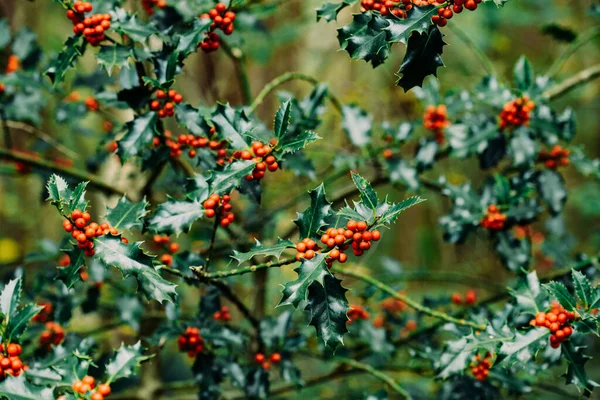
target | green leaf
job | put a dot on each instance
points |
(73, 48)
(126, 361)
(418, 20)
(551, 187)
(70, 274)
(197, 188)
(523, 348)
(312, 219)
(77, 200)
(113, 56)
(132, 261)
(522, 147)
(365, 38)
(188, 41)
(4, 33)
(309, 271)
(357, 124)
(139, 134)
(127, 214)
(289, 140)
(132, 27)
(175, 216)
(576, 374)
(327, 305)
(59, 193)
(191, 119)
(18, 322)
(234, 125)
(423, 57)
(259, 249)
(523, 74)
(528, 294)
(18, 388)
(329, 11)
(400, 171)
(10, 298)
(222, 182)
(391, 214)
(560, 292)
(583, 288)
(367, 194)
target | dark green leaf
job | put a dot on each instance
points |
(551, 187)
(560, 292)
(367, 194)
(309, 271)
(127, 214)
(259, 249)
(222, 182)
(191, 119)
(329, 11)
(583, 288)
(522, 148)
(418, 20)
(4, 33)
(234, 125)
(175, 216)
(576, 374)
(129, 25)
(197, 188)
(126, 361)
(10, 297)
(72, 49)
(70, 274)
(327, 306)
(188, 41)
(312, 219)
(18, 388)
(113, 56)
(365, 38)
(18, 322)
(523, 348)
(139, 134)
(560, 33)
(423, 57)
(523, 74)
(401, 172)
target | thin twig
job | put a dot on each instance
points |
(32, 130)
(571, 83)
(582, 39)
(377, 374)
(483, 58)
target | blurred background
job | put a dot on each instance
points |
(291, 40)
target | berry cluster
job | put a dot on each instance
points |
(306, 249)
(222, 315)
(264, 161)
(223, 20)
(470, 298)
(393, 305)
(455, 6)
(84, 231)
(165, 102)
(361, 237)
(192, 143)
(45, 313)
(554, 158)
(10, 363)
(217, 203)
(261, 359)
(91, 103)
(387, 7)
(13, 64)
(87, 384)
(92, 27)
(356, 312)
(481, 368)
(148, 5)
(493, 220)
(54, 334)
(163, 242)
(557, 320)
(112, 146)
(516, 112)
(436, 120)
(191, 342)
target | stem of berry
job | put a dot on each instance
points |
(410, 302)
(202, 274)
(280, 80)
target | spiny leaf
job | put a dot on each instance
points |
(175, 216)
(365, 38)
(19, 320)
(313, 270)
(70, 274)
(59, 193)
(367, 194)
(523, 74)
(327, 305)
(112, 56)
(126, 361)
(282, 119)
(191, 119)
(139, 134)
(222, 182)
(523, 348)
(72, 49)
(10, 297)
(418, 20)
(576, 374)
(132, 261)
(259, 249)
(312, 219)
(329, 11)
(560, 292)
(357, 124)
(188, 42)
(18, 388)
(583, 288)
(391, 214)
(197, 188)
(234, 125)
(127, 214)
(132, 27)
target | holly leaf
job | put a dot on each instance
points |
(61, 196)
(132, 27)
(139, 134)
(10, 298)
(560, 293)
(312, 219)
(528, 294)
(175, 216)
(127, 214)
(357, 124)
(390, 215)
(522, 148)
(197, 188)
(400, 171)
(583, 288)
(72, 49)
(19, 388)
(523, 347)
(288, 140)
(188, 42)
(234, 125)
(191, 119)
(576, 374)
(126, 361)
(423, 57)
(70, 274)
(329, 11)
(113, 56)
(4, 33)
(367, 194)
(133, 262)
(514, 253)
(18, 322)
(222, 182)
(418, 20)
(365, 38)
(551, 187)
(313, 270)
(523, 74)
(327, 305)
(259, 249)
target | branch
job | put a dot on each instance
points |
(572, 48)
(94, 180)
(289, 76)
(239, 60)
(410, 302)
(203, 275)
(571, 83)
(377, 374)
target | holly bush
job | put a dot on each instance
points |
(176, 231)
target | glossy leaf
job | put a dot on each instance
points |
(329, 11)
(313, 218)
(222, 182)
(365, 38)
(112, 56)
(139, 134)
(126, 361)
(261, 250)
(367, 194)
(357, 124)
(18, 388)
(73, 48)
(127, 214)
(417, 22)
(232, 124)
(560, 293)
(423, 57)
(70, 274)
(309, 271)
(175, 216)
